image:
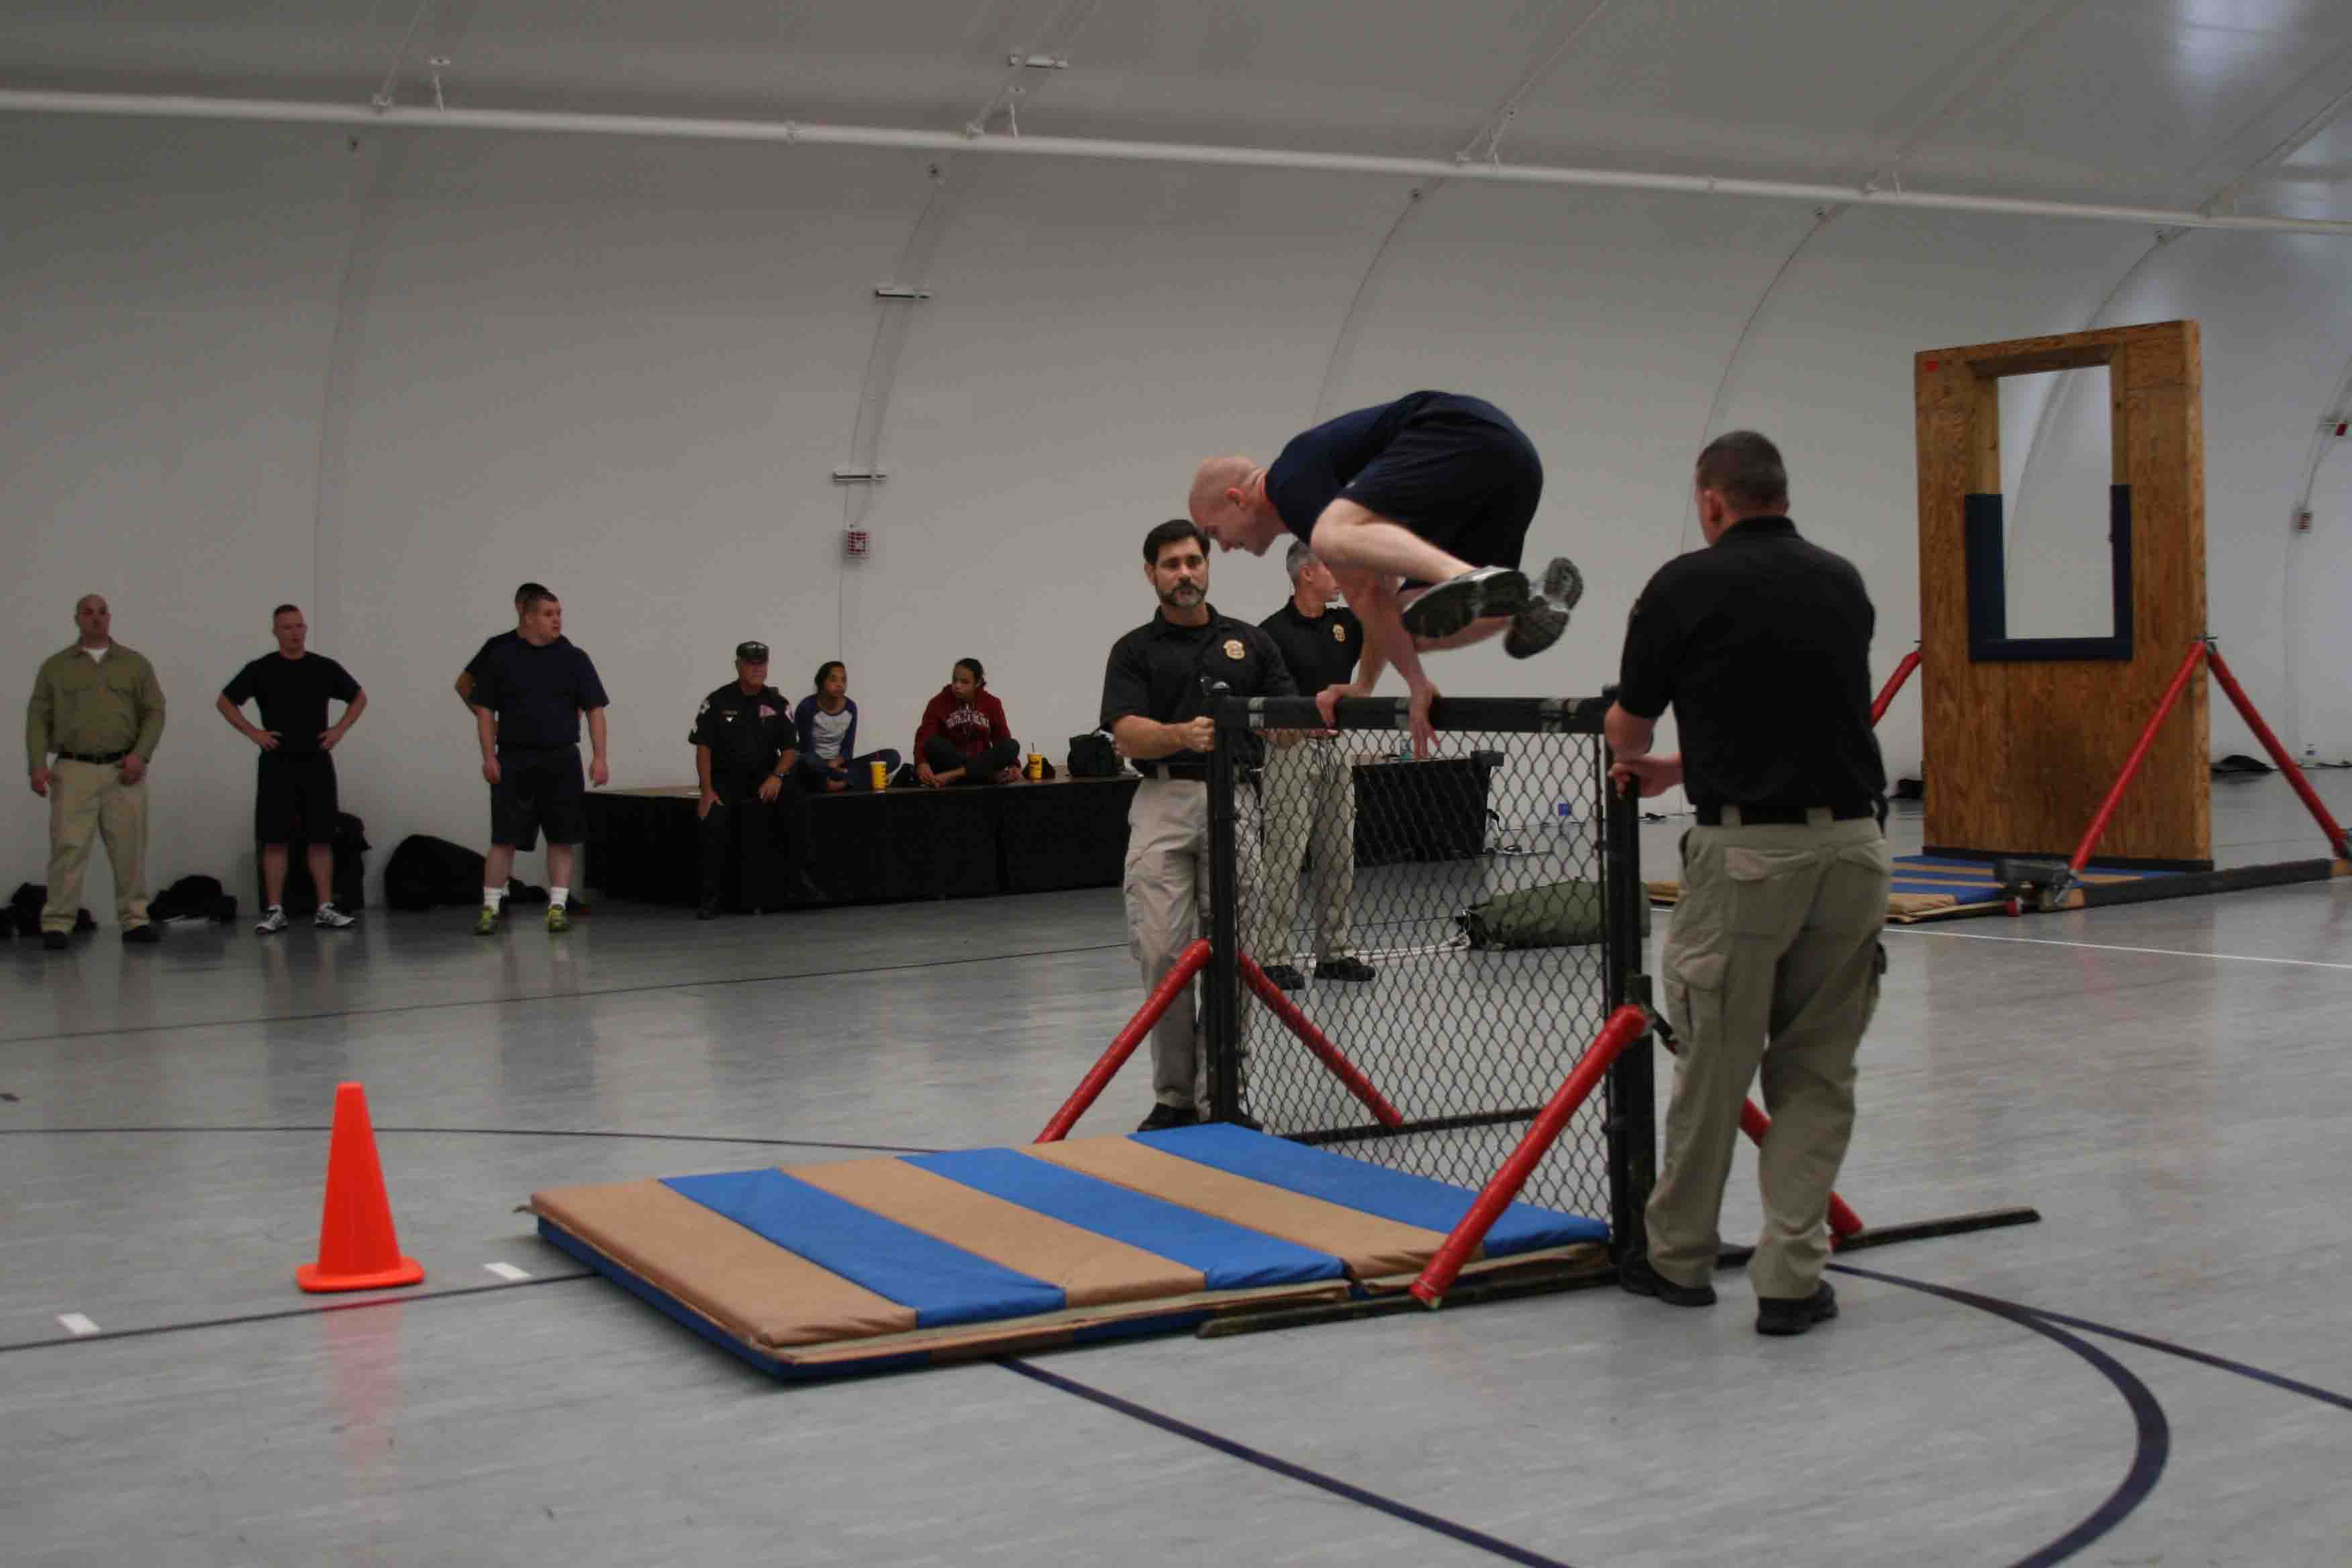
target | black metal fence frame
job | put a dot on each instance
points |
(1629, 1102)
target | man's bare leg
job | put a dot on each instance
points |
(1350, 536)
(273, 875)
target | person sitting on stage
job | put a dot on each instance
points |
(827, 721)
(964, 738)
(1436, 488)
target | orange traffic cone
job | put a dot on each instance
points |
(357, 1248)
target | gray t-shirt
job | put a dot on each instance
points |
(827, 731)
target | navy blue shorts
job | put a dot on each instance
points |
(1462, 477)
(539, 790)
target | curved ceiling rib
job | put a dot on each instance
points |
(1486, 143)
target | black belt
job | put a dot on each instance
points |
(1766, 814)
(95, 756)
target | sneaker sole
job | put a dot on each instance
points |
(1563, 584)
(1458, 602)
(1535, 629)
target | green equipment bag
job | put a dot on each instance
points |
(1555, 915)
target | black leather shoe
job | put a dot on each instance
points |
(1795, 1314)
(1636, 1278)
(1346, 966)
(1286, 976)
(708, 910)
(141, 935)
(1164, 1117)
(56, 941)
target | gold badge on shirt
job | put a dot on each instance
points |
(1233, 649)
(1338, 632)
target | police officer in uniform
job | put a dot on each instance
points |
(750, 806)
(1157, 691)
(1761, 645)
(1310, 788)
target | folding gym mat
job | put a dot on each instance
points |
(867, 1264)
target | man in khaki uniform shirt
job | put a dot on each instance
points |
(1761, 645)
(98, 706)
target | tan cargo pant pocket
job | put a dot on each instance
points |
(1768, 890)
(1693, 985)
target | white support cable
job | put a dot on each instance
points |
(1488, 144)
(906, 139)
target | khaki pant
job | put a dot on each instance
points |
(86, 800)
(1167, 886)
(1310, 803)
(1772, 961)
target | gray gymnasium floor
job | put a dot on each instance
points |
(2167, 1082)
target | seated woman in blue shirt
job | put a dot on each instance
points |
(827, 720)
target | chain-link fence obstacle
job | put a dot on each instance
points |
(1455, 927)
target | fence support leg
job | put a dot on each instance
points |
(1893, 684)
(1163, 995)
(1625, 1026)
(1313, 1038)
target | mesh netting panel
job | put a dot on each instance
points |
(1467, 1038)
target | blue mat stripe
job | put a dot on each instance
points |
(943, 1284)
(1967, 892)
(1984, 868)
(1229, 1257)
(1369, 1189)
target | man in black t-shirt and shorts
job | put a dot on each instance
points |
(1436, 488)
(527, 698)
(294, 790)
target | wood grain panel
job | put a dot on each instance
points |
(2020, 755)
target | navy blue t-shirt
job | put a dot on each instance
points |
(538, 693)
(1318, 465)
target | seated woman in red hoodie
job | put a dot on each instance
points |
(964, 738)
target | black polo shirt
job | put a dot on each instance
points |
(1761, 645)
(746, 732)
(1321, 650)
(1162, 671)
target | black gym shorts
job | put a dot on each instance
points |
(539, 789)
(1464, 478)
(294, 797)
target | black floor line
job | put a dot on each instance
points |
(280, 1314)
(499, 1132)
(2152, 1444)
(2203, 1358)
(566, 995)
(1337, 1488)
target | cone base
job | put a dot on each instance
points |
(311, 1276)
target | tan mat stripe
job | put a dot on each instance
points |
(1366, 1242)
(1092, 1270)
(740, 1281)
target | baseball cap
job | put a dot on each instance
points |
(751, 652)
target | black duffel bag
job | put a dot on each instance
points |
(1092, 756)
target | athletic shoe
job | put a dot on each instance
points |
(141, 935)
(1636, 1278)
(486, 922)
(330, 917)
(1540, 626)
(1163, 1117)
(1286, 976)
(558, 918)
(1346, 966)
(272, 921)
(1475, 596)
(1795, 1314)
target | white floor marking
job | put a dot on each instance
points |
(2111, 947)
(75, 1323)
(507, 1271)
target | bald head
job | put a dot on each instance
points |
(1212, 480)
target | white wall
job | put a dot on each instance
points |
(392, 381)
